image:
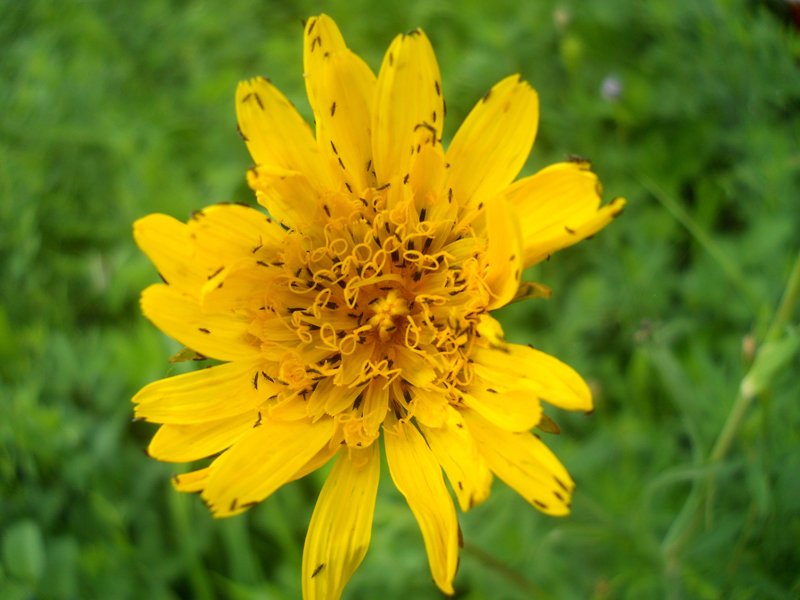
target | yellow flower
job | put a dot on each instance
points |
(359, 308)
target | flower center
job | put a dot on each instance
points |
(378, 298)
(387, 310)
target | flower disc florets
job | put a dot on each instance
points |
(384, 293)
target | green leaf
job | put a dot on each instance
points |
(23, 550)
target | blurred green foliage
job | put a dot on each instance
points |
(110, 111)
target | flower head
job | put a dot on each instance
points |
(358, 308)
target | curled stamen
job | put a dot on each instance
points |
(327, 335)
(412, 333)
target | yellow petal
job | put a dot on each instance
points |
(189, 255)
(275, 133)
(341, 526)
(353, 363)
(515, 410)
(191, 482)
(429, 406)
(524, 463)
(415, 369)
(264, 459)
(230, 232)
(521, 367)
(409, 106)
(373, 408)
(341, 90)
(490, 330)
(456, 451)
(205, 395)
(427, 179)
(417, 474)
(503, 254)
(167, 243)
(319, 460)
(343, 112)
(242, 285)
(290, 197)
(337, 397)
(493, 143)
(216, 335)
(322, 37)
(185, 443)
(559, 206)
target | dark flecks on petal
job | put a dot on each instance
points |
(253, 96)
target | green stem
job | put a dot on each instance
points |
(686, 522)
(791, 296)
(743, 400)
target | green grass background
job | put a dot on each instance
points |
(112, 110)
